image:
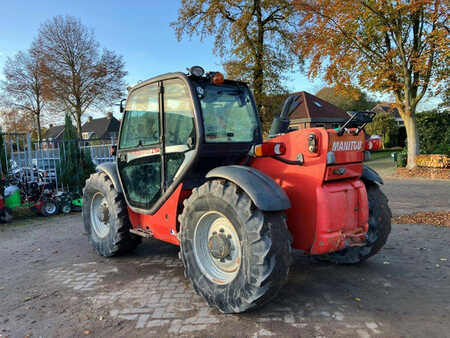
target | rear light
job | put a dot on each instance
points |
(269, 149)
(312, 143)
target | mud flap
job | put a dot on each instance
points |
(265, 193)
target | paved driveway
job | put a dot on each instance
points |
(408, 195)
(53, 284)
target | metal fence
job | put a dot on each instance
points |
(24, 157)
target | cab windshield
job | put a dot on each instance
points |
(228, 114)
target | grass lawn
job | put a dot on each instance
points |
(378, 154)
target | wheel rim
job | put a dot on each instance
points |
(66, 209)
(100, 215)
(217, 248)
(50, 208)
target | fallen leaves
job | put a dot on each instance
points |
(357, 299)
(424, 217)
(433, 173)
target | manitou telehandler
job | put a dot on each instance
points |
(192, 169)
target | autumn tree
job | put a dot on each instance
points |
(25, 87)
(81, 75)
(395, 47)
(14, 120)
(255, 36)
(353, 99)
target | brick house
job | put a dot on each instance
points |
(102, 128)
(315, 112)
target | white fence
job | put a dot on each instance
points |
(23, 155)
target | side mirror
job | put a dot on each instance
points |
(122, 108)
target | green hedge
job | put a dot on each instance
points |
(434, 132)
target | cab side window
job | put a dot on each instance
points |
(179, 113)
(141, 121)
(179, 119)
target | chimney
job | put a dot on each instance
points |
(89, 118)
(50, 125)
(109, 115)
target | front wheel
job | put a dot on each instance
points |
(236, 255)
(379, 229)
(105, 217)
(49, 208)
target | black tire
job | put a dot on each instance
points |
(265, 245)
(66, 208)
(6, 215)
(49, 208)
(118, 239)
(379, 229)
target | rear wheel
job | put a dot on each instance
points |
(105, 217)
(236, 255)
(379, 229)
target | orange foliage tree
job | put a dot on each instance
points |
(255, 36)
(397, 47)
(26, 91)
(14, 121)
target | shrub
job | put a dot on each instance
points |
(402, 158)
(75, 165)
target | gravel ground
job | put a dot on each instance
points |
(52, 284)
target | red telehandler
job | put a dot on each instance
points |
(192, 169)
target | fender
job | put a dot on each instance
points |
(109, 168)
(265, 193)
(368, 174)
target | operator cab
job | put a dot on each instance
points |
(176, 128)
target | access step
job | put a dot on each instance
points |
(141, 232)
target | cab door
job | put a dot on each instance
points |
(139, 159)
(179, 129)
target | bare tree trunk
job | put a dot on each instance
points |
(78, 120)
(38, 123)
(413, 140)
(258, 72)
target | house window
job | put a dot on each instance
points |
(317, 104)
(87, 135)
